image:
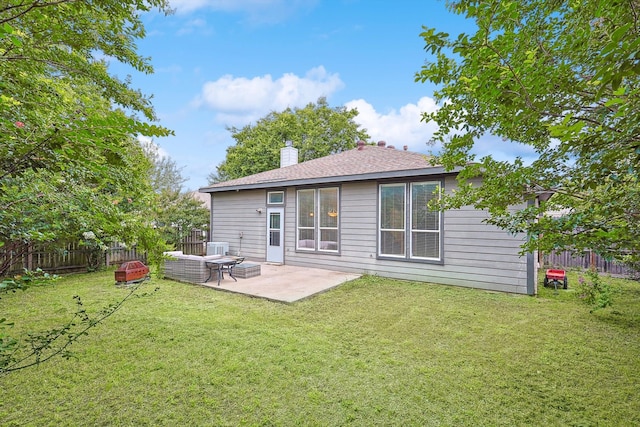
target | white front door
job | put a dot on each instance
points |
(275, 235)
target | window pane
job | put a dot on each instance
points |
(392, 207)
(307, 234)
(306, 208)
(318, 219)
(328, 240)
(276, 197)
(392, 243)
(425, 245)
(422, 218)
(328, 207)
(274, 238)
(306, 238)
(274, 220)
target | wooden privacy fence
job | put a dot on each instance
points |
(194, 243)
(588, 259)
(70, 258)
(73, 257)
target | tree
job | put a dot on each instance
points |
(165, 174)
(69, 163)
(316, 130)
(113, 203)
(177, 213)
(564, 79)
(50, 78)
(67, 125)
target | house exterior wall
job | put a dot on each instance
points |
(236, 212)
(474, 254)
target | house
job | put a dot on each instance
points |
(201, 197)
(365, 211)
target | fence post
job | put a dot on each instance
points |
(30, 257)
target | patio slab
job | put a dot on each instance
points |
(284, 283)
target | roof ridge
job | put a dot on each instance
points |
(362, 160)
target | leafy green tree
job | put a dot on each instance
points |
(67, 125)
(316, 130)
(177, 213)
(165, 174)
(114, 203)
(50, 78)
(70, 166)
(562, 77)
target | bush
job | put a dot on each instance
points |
(594, 291)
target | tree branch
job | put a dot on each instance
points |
(41, 344)
(15, 165)
(34, 5)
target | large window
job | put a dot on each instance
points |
(306, 219)
(318, 220)
(408, 228)
(392, 220)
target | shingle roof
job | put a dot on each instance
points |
(362, 163)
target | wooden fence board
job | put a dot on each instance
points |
(72, 257)
(194, 243)
(588, 259)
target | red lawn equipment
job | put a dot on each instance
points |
(556, 277)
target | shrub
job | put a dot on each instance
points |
(594, 291)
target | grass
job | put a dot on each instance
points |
(371, 352)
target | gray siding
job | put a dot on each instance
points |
(475, 254)
(235, 212)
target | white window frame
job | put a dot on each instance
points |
(319, 222)
(317, 227)
(270, 202)
(408, 229)
(396, 230)
(427, 231)
(299, 227)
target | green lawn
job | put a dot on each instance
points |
(371, 352)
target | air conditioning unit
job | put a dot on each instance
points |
(217, 248)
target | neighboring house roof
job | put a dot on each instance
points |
(205, 199)
(362, 163)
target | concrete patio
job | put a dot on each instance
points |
(284, 283)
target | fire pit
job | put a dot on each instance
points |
(131, 272)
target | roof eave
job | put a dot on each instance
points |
(438, 170)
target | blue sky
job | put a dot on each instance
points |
(222, 63)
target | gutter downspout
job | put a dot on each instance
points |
(532, 270)
(211, 219)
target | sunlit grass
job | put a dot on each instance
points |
(372, 352)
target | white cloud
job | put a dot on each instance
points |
(256, 11)
(240, 100)
(397, 127)
(184, 6)
(145, 140)
(198, 25)
(404, 127)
